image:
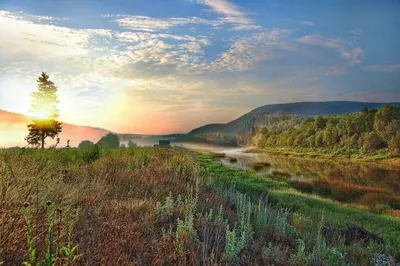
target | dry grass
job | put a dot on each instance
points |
(144, 206)
(116, 196)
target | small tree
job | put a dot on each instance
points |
(85, 144)
(110, 141)
(320, 123)
(131, 144)
(371, 141)
(44, 113)
(394, 144)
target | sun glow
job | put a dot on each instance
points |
(41, 115)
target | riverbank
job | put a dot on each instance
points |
(307, 210)
(379, 158)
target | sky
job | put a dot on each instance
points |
(166, 66)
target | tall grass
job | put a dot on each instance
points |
(150, 206)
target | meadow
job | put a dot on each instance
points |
(173, 206)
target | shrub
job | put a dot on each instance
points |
(237, 238)
(109, 141)
(132, 144)
(85, 144)
(91, 154)
(276, 255)
(167, 208)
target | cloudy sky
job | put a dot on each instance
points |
(163, 66)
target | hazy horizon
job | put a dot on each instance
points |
(171, 66)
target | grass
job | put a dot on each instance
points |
(152, 206)
(375, 198)
(305, 205)
(381, 157)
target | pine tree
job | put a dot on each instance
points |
(44, 112)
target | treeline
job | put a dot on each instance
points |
(109, 141)
(219, 139)
(367, 131)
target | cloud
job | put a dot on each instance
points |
(306, 22)
(152, 24)
(232, 14)
(223, 7)
(246, 52)
(147, 70)
(383, 68)
(246, 27)
(23, 15)
(347, 50)
(336, 71)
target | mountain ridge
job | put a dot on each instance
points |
(259, 115)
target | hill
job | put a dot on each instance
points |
(267, 114)
(13, 131)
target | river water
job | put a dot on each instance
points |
(342, 175)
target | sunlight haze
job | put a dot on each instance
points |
(171, 66)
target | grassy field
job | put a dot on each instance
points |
(353, 156)
(152, 206)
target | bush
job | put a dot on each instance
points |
(91, 154)
(85, 144)
(131, 144)
(109, 141)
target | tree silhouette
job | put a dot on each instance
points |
(44, 112)
(85, 144)
(109, 141)
(131, 144)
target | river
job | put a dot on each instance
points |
(339, 179)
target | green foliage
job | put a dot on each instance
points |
(91, 154)
(185, 231)
(320, 123)
(334, 258)
(131, 144)
(303, 205)
(85, 144)
(29, 237)
(384, 260)
(300, 257)
(109, 141)
(50, 256)
(44, 103)
(276, 254)
(237, 238)
(67, 253)
(167, 208)
(368, 131)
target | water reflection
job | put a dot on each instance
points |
(376, 186)
(307, 169)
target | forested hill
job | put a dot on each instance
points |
(268, 114)
(367, 131)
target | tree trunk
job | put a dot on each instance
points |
(42, 140)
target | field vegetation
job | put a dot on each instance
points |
(154, 206)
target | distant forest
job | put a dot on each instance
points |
(367, 131)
